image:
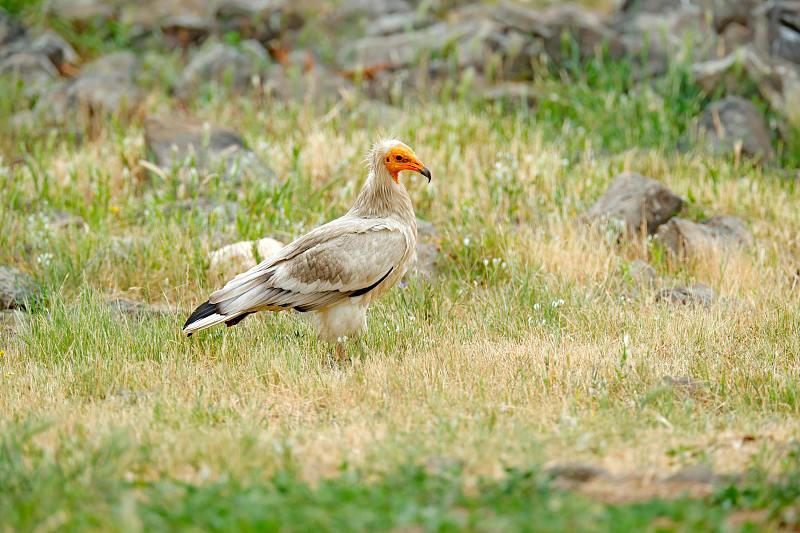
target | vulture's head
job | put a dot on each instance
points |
(396, 156)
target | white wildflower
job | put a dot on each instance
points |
(45, 259)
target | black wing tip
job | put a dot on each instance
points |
(203, 310)
(365, 290)
(235, 320)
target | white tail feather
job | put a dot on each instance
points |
(207, 322)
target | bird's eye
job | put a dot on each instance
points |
(398, 158)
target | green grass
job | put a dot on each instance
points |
(532, 345)
(104, 488)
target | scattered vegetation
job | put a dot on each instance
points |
(532, 345)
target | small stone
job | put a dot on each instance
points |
(11, 29)
(734, 124)
(635, 203)
(643, 273)
(374, 54)
(174, 141)
(700, 474)
(128, 395)
(104, 86)
(224, 64)
(60, 220)
(17, 290)
(132, 308)
(698, 294)
(185, 30)
(223, 212)
(55, 47)
(427, 249)
(515, 93)
(397, 22)
(312, 83)
(123, 64)
(241, 256)
(262, 20)
(34, 70)
(685, 238)
(10, 319)
(686, 384)
(586, 28)
(123, 306)
(777, 80)
(369, 10)
(576, 472)
(84, 13)
(123, 246)
(780, 28)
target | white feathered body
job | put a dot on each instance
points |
(334, 271)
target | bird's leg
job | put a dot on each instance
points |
(340, 352)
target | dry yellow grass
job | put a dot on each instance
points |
(488, 381)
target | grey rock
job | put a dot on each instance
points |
(55, 47)
(701, 474)
(736, 35)
(575, 472)
(735, 122)
(124, 307)
(186, 29)
(128, 396)
(123, 65)
(398, 22)
(11, 29)
(146, 17)
(427, 249)
(519, 54)
(698, 294)
(93, 95)
(84, 13)
(126, 245)
(60, 220)
(224, 64)
(663, 34)
(215, 212)
(368, 10)
(586, 28)
(778, 81)
(10, 319)
(175, 141)
(48, 44)
(516, 93)
(685, 238)
(635, 203)
(684, 384)
(643, 273)
(104, 86)
(34, 70)
(17, 289)
(514, 16)
(467, 40)
(781, 29)
(650, 6)
(262, 20)
(312, 83)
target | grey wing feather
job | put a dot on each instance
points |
(318, 269)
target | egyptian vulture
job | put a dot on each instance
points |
(337, 269)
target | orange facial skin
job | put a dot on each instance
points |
(403, 158)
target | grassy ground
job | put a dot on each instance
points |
(533, 345)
